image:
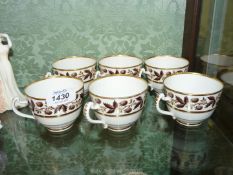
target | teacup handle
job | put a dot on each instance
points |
(143, 71)
(162, 97)
(98, 74)
(151, 88)
(86, 111)
(15, 101)
(48, 74)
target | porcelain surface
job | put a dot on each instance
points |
(154, 145)
(8, 86)
(57, 115)
(160, 67)
(117, 101)
(190, 97)
(120, 64)
(76, 67)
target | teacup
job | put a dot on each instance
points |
(158, 68)
(55, 102)
(226, 76)
(120, 64)
(190, 97)
(215, 63)
(77, 67)
(117, 101)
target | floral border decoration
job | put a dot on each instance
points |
(121, 107)
(128, 71)
(84, 74)
(40, 107)
(158, 75)
(193, 103)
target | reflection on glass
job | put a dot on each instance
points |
(215, 37)
(214, 63)
(3, 157)
(119, 140)
(226, 76)
(60, 139)
(215, 55)
(222, 170)
(189, 150)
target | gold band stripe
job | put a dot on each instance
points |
(119, 115)
(189, 111)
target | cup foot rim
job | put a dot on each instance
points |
(188, 124)
(120, 129)
(60, 130)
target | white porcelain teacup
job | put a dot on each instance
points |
(159, 67)
(120, 64)
(77, 67)
(214, 63)
(117, 101)
(190, 97)
(55, 102)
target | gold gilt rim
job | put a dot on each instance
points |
(123, 75)
(198, 112)
(119, 115)
(56, 116)
(223, 72)
(50, 77)
(214, 63)
(60, 129)
(77, 57)
(157, 57)
(192, 94)
(120, 67)
(185, 123)
(121, 129)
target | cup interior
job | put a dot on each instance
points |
(118, 86)
(167, 62)
(120, 61)
(219, 60)
(42, 88)
(193, 83)
(71, 63)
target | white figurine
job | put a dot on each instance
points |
(8, 86)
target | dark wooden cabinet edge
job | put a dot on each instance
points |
(191, 29)
(190, 41)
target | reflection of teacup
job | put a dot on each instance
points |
(62, 139)
(223, 170)
(77, 67)
(120, 64)
(117, 100)
(55, 102)
(227, 77)
(120, 140)
(189, 149)
(191, 97)
(158, 68)
(214, 63)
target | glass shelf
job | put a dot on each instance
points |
(156, 144)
